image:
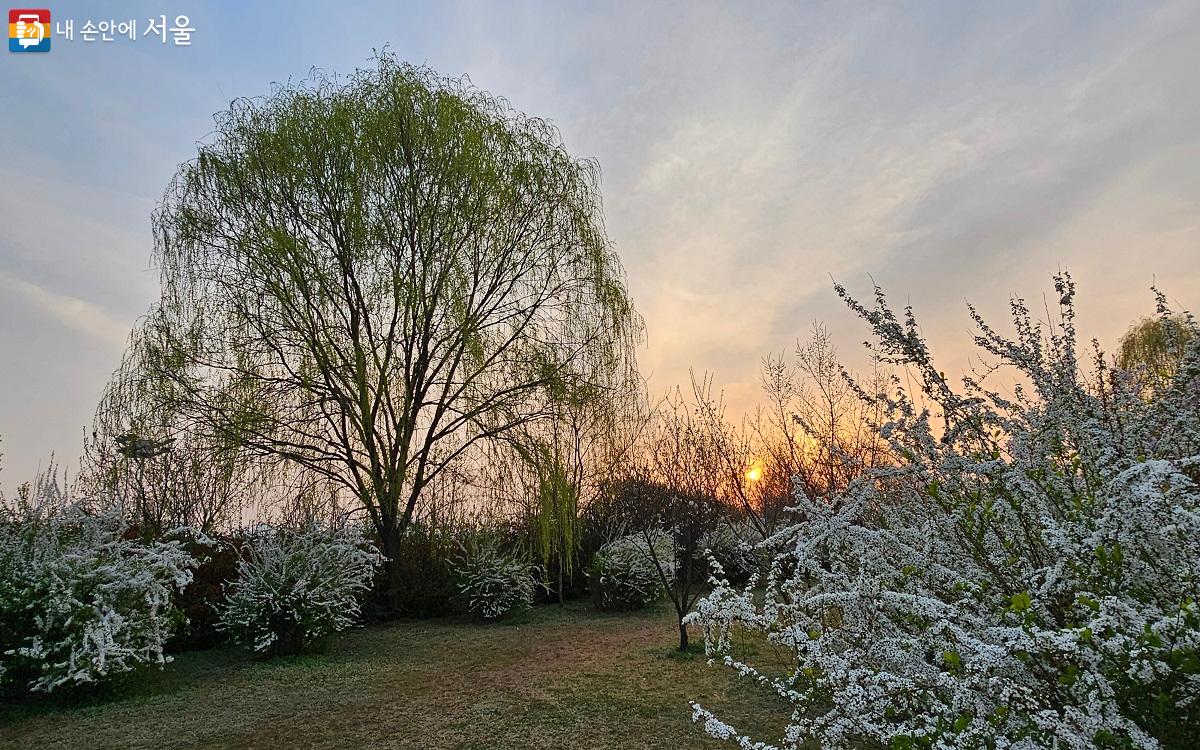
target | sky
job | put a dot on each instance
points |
(752, 154)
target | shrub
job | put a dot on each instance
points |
(79, 603)
(733, 548)
(428, 584)
(623, 575)
(294, 588)
(1024, 575)
(493, 583)
(200, 601)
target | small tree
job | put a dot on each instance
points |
(169, 476)
(815, 429)
(685, 521)
(674, 491)
(589, 432)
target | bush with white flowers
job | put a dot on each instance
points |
(733, 547)
(1024, 575)
(79, 603)
(623, 574)
(295, 588)
(493, 583)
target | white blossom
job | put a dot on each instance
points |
(492, 583)
(294, 588)
(79, 602)
(1023, 575)
(624, 574)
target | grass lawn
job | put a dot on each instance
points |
(551, 678)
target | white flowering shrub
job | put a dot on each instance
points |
(295, 588)
(623, 575)
(1024, 574)
(80, 603)
(733, 547)
(493, 583)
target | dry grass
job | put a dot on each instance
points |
(551, 679)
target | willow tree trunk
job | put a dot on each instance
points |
(393, 575)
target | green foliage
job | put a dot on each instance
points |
(428, 586)
(366, 278)
(1153, 347)
(556, 520)
(198, 601)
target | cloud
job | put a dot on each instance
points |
(76, 314)
(949, 150)
(968, 157)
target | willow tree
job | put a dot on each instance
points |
(1153, 348)
(141, 455)
(365, 277)
(587, 436)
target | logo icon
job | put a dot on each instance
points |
(29, 30)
